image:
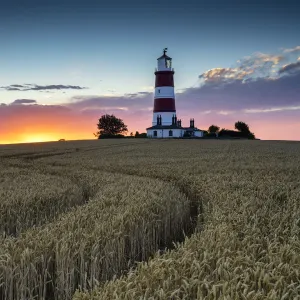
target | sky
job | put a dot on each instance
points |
(63, 64)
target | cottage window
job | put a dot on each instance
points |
(170, 133)
(154, 133)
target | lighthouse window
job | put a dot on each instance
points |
(168, 63)
(170, 133)
(159, 91)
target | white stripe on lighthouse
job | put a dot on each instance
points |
(166, 118)
(164, 92)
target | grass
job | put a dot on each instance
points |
(107, 206)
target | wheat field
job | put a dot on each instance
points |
(150, 219)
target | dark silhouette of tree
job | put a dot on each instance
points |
(110, 126)
(142, 135)
(213, 129)
(231, 134)
(242, 127)
(251, 136)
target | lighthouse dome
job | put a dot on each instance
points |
(164, 62)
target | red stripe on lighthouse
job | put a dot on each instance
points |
(164, 105)
(164, 78)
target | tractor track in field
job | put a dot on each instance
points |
(192, 224)
(196, 207)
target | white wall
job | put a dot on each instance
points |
(164, 133)
(166, 118)
(198, 133)
(164, 92)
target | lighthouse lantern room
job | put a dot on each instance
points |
(164, 63)
(164, 122)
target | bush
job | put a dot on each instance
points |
(141, 135)
(111, 136)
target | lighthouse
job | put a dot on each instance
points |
(164, 96)
(164, 122)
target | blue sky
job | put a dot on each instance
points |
(83, 42)
(111, 47)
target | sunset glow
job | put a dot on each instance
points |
(36, 138)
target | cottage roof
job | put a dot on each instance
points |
(165, 127)
(191, 129)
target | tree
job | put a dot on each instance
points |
(110, 126)
(213, 129)
(142, 135)
(242, 127)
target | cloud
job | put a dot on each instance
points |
(56, 87)
(8, 88)
(23, 101)
(16, 85)
(36, 87)
(237, 95)
(257, 82)
(136, 101)
(260, 61)
(259, 65)
(292, 68)
(267, 110)
(292, 50)
(224, 75)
